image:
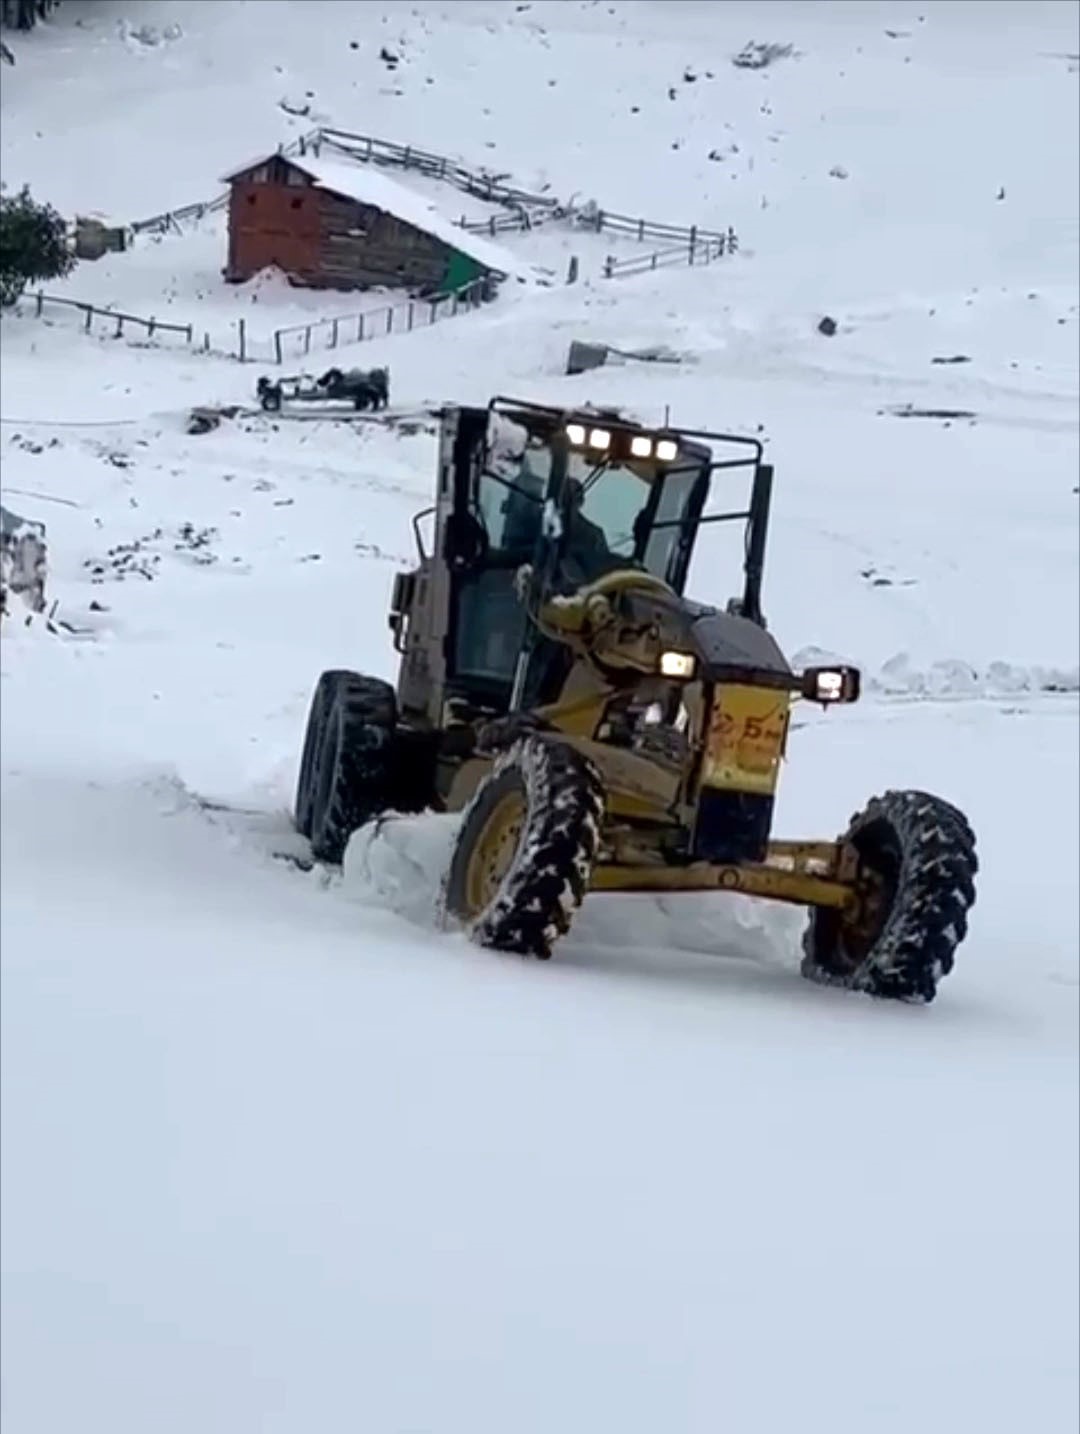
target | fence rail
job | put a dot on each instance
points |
(297, 340)
(174, 218)
(697, 252)
(151, 325)
(603, 221)
(523, 220)
(370, 150)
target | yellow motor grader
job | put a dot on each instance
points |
(599, 730)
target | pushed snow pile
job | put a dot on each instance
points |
(397, 864)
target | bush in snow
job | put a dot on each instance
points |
(33, 244)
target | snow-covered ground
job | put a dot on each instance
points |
(277, 1155)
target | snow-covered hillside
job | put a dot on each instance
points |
(280, 1157)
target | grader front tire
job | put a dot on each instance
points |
(525, 848)
(916, 876)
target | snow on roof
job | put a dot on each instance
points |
(368, 185)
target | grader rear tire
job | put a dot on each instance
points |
(917, 868)
(349, 766)
(526, 847)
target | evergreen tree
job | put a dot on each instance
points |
(33, 244)
(24, 14)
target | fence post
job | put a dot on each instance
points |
(277, 346)
(119, 326)
(641, 231)
(360, 329)
(89, 317)
(334, 334)
(307, 340)
(150, 327)
(205, 342)
(652, 265)
(572, 272)
(434, 310)
(242, 330)
(190, 332)
(40, 302)
(609, 267)
(410, 315)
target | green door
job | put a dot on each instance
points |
(461, 270)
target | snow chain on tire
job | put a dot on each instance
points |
(549, 872)
(925, 850)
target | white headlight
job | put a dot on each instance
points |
(677, 664)
(599, 438)
(829, 686)
(575, 432)
(640, 446)
(667, 450)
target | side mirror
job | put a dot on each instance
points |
(831, 684)
(401, 601)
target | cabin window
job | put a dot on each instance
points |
(251, 198)
(296, 203)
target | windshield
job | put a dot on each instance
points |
(613, 514)
(627, 514)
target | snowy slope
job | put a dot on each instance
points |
(278, 1156)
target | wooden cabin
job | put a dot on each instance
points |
(333, 225)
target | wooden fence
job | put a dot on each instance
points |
(698, 251)
(527, 209)
(369, 150)
(298, 340)
(522, 220)
(175, 219)
(90, 311)
(602, 221)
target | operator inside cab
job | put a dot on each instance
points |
(585, 551)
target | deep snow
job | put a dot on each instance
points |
(277, 1155)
